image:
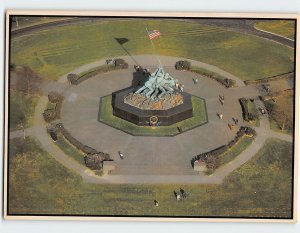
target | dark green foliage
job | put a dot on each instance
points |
(54, 97)
(49, 115)
(120, 63)
(219, 78)
(72, 78)
(89, 151)
(52, 114)
(94, 161)
(183, 65)
(212, 158)
(229, 83)
(77, 79)
(247, 115)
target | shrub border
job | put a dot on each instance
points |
(186, 65)
(76, 79)
(215, 153)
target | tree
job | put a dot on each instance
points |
(282, 112)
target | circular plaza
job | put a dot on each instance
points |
(148, 154)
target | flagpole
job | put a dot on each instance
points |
(153, 47)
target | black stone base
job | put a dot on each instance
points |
(142, 117)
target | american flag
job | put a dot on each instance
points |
(153, 34)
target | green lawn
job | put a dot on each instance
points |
(54, 52)
(69, 150)
(252, 109)
(21, 110)
(260, 188)
(50, 105)
(237, 149)
(37, 183)
(27, 21)
(199, 117)
(208, 73)
(281, 111)
(284, 28)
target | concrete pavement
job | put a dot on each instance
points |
(149, 159)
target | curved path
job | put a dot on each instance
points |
(246, 26)
(240, 25)
(184, 146)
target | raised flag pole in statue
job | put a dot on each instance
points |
(159, 84)
(159, 101)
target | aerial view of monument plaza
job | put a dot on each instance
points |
(151, 117)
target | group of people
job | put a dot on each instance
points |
(222, 99)
(220, 115)
(182, 194)
(232, 126)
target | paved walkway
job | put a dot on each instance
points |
(143, 163)
(246, 26)
(149, 155)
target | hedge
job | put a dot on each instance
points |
(94, 161)
(93, 158)
(212, 158)
(222, 80)
(183, 65)
(247, 116)
(76, 79)
(54, 97)
(49, 115)
(53, 114)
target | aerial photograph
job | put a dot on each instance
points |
(155, 117)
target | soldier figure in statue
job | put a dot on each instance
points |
(158, 84)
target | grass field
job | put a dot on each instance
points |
(27, 21)
(21, 110)
(199, 117)
(55, 52)
(237, 149)
(281, 27)
(260, 188)
(252, 109)
(281, 112)
(69, 149)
